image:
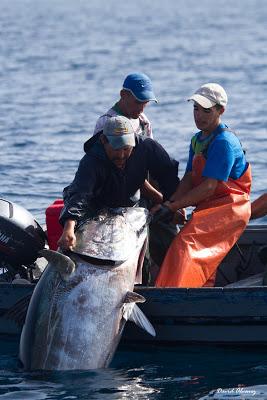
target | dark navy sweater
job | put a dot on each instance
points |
(98, 183)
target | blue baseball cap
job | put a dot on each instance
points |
(140, 86)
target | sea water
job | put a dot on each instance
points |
(62, 66)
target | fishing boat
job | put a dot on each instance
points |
(234, 311)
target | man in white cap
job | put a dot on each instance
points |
(217, 182)
(113, 169)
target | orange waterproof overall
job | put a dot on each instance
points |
(215, 226)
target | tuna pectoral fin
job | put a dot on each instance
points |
(133, 313)
(64, 264)
(133, 297)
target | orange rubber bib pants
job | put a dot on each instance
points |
(215, 226)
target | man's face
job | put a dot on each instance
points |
(117, 157)
(206, 119)
(131, 106)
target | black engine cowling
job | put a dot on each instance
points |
(21, 237)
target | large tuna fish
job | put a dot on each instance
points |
(78, 309)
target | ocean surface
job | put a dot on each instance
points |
(62, 66)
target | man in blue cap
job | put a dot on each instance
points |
(136, 93)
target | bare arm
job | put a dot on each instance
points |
(259, 207)
(184, 187)
(68, 239)
(195, 195)
(149, 192)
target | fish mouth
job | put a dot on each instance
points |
(96, 261)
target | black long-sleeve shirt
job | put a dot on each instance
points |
(98, 183)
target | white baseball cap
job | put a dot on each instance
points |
(209, 95)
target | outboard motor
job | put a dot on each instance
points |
(21, 237)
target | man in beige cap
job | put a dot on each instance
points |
(217, 182)
(113, 169)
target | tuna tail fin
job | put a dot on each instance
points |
(64, 264)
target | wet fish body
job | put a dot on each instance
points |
(113, 234)
(75, 320)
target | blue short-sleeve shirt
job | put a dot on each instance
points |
(225, 156)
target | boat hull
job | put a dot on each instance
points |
(206, 315)
(179, 315)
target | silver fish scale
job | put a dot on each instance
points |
(77, 323)
(112, 235)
